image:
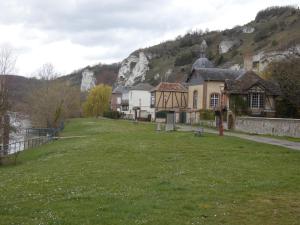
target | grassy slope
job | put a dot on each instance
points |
(125, 173)
(286, 34)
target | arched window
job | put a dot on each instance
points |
(214, 100)
(195, 99)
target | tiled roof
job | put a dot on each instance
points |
(202, 62)
(142, 87)
(215, 74)
(165, 86)
(244, 82)
(120, 90)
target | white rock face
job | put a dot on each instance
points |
(262, 59)
(248, 30)
(88, 80)
(225, 46)
(203, 45)
(133, 68)
(168, 74)
(235, 67)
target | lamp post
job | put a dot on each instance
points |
(221, 127)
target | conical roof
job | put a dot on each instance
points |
(202, 62)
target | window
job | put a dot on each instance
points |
(214, 100)
(256, 100)
(124, 107)
(195, 99)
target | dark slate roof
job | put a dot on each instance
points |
(247, 80)
(165, 86)
(142, 87)
(213, 74)
(202, 62)
(120, 90)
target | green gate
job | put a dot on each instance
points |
(182, 117)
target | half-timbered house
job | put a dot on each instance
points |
(170, 97)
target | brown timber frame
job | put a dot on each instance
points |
(169, 101)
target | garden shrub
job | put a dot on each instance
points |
(112, 114)
(207, 115)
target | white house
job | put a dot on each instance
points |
(139, 97)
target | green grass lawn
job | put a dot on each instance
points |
(125, 173)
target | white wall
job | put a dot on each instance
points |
(142, 99)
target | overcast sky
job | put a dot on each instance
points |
(72, 34)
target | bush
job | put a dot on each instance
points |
(260, 35)
(185, 58)
(266, 31)
(274, 43)
(238, 105)
(112, 114)
(207, 115)
(186, 42)
(219, 60)
(234, 53)
(286, 109)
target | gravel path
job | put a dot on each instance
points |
(256, 138)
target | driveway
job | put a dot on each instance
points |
(256, 138)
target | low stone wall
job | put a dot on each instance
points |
(272, 126)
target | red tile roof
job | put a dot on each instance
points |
(165, 86)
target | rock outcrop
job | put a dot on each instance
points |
(262, 59)
(248, 30)
(88, 80)
(227, 45)
(133, 69)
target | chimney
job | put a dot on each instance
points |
(248, 61)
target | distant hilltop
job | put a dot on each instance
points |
(273, 35)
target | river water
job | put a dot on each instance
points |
(17, 136)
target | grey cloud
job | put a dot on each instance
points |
(82, 15)
(91, 22)
(122, 25)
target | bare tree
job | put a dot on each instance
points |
(8, 60)
(7, 66)
(47, 72)
(54, 100)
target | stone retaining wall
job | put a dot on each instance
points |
(272, 126)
